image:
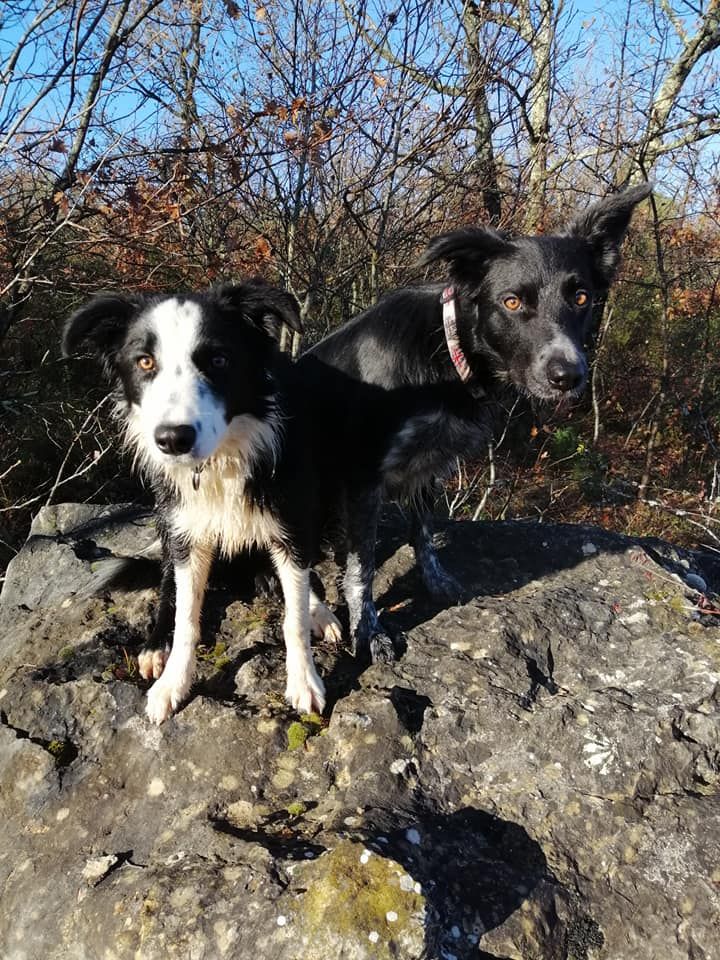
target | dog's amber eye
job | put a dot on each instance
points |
(146, 363)
(219, 361)
(582, 298)
(512, 302)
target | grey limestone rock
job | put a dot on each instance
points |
(536, 779)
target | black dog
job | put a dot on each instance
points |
(211, 411)
(405, 388)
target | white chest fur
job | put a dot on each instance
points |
(220, 513)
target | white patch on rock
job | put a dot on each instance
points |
(62, 814)
(391, 916)
(281, 920)
(156, 787)
(599, 754)
(399, 766)
(589, 549)
(639, 617)
(150, 737)
(413, 836)
(98, 867)
(365, 856)
(373, 936)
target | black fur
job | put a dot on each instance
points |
(393, 409)
(233, 376)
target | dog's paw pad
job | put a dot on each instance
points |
(151, 662)
(382, 649)
(305, 691)
(324, 624)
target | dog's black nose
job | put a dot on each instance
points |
(564, 374)
(175, 438)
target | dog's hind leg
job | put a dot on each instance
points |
(191, 575)
(305, 690)
(369, 640)
(441, 586)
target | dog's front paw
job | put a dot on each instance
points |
(151, 662)
(305, 691)
(444, 588)
(324, 624)
(373, 645)
(382, 649)
(164, 697)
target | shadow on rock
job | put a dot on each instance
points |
(486, 886)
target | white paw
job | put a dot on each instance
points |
(305, 691)
(151, 663)
(166, 695)
(324, 624)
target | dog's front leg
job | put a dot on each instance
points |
(441, 586)
(369, 640)
(168, 692)
(305, 690)
(153, 657)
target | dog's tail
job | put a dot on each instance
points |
(140, 570)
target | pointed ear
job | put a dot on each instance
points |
(467, 252)
(265, 306)
(100, 326)
(604, 226)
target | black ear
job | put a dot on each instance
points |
(604, 226)
(265, 306)
(99, 327)
(467, 252)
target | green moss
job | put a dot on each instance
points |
(63, 751)
(309, 725)
(66, 653)
(349, 898)
(669, 598)
(217, 655)
(297, 734)
(253, 618)
(678, 604)
(275, 701)
(296, 809)
(313, 720)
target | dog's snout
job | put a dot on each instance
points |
(175, 439)
(565, 374)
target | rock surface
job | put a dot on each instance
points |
(536, 779)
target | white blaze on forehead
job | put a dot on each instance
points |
(179, 394)
(176, 325)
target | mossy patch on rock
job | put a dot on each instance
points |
(216, 655)
(359, 904)
(309, 725)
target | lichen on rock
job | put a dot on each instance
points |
(349, 896)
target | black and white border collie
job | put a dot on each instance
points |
(407, 387)
(210, 411)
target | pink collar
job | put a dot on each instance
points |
(451, 335)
